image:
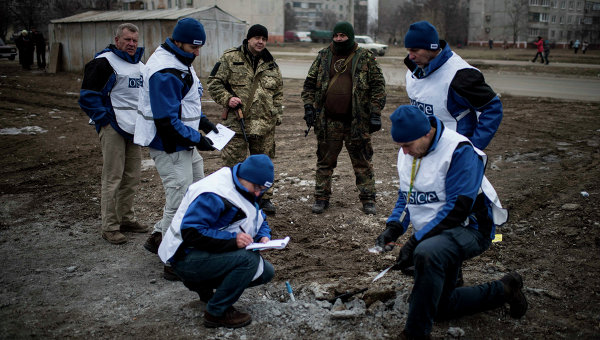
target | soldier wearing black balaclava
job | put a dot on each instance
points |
(343, 95)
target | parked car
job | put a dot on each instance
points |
(367, 42)
(7, 51)
(303, 36)
(290, 36)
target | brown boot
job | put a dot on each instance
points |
(134, 227)
(513, 295)
(153, 242)
(169, 274)
(232, 318)
(114, 237)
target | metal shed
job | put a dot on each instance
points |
(81, 36)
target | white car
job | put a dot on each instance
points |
(367, 42)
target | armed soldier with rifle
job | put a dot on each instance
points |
(247, 82)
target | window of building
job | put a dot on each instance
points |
(579, 5)
(543, 17)
(587, 20)
(533, 2)
(563, 4)
(553, 19)
(546, 3)
(341, 7)
(297, 4)
(561, 20)
(552, 34)
(596, 6)
(555, 4)
(569, 19)
(570, 4)
(534, 31)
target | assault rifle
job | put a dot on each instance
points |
(240, 116)
(238, 112)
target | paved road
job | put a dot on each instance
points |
(509, 83)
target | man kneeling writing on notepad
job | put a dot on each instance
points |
(205, 244)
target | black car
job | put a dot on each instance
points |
(7, 51)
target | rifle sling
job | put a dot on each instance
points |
(336, 76)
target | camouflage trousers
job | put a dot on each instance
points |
(360, 152)
(237, 149)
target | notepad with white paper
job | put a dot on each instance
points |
(222, 138)
(272, 244)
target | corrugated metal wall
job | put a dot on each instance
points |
(81, 39)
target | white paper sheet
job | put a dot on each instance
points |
(222, 138)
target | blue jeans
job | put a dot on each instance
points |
(437, 262)
(230, 273)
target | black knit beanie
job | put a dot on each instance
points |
(257, 31)
(344, 47)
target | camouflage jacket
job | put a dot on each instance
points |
(233, 76)
(368, 90)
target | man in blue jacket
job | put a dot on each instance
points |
(205, 245)
(170, 114)
(441, 83)
(454, 211)
(109, 96)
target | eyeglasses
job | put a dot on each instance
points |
(260, 188)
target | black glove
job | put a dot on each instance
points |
(207, 126)
(205, 144)
(374, 123)
(391, 233)
(310, 115)
(405, 258)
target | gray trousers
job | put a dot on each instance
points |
(177, 171)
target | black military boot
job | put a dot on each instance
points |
(320, 206)
(513, 295)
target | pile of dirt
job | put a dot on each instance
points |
(60, 279)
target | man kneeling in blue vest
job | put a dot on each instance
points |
(205, 244)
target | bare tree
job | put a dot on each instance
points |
(329, 19)
(517, 13)
(289, 18)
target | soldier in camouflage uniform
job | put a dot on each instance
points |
(343, 96)
(248, 77)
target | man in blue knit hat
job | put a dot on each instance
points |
(205, 245)
(454, 211)
(170, 115)
(441, 83)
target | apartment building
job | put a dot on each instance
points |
(265, 12)
(320, 14)
(522, 21)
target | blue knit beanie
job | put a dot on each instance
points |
(189, 31)
(409, 123)
(257, 169)
(423, 35)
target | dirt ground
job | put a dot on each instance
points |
(61, 279)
